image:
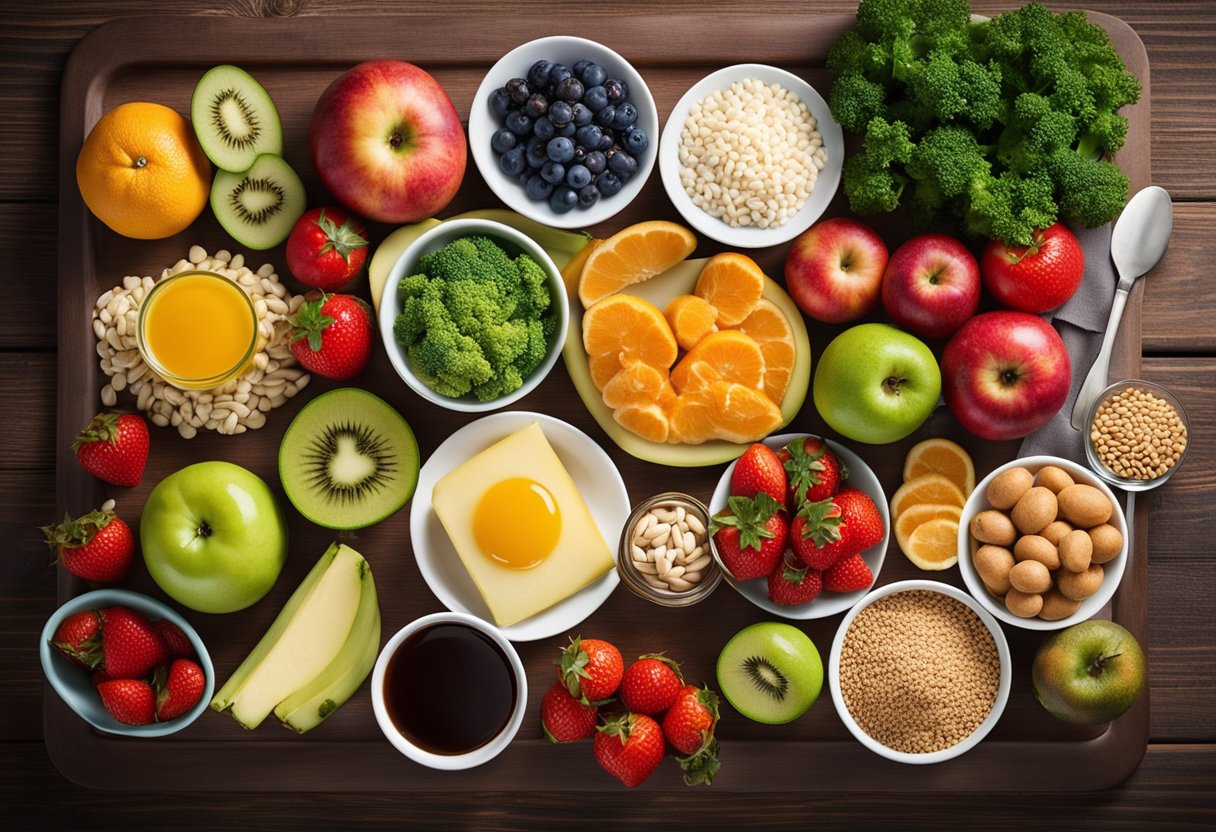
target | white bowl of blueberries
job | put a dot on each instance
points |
(564, 131)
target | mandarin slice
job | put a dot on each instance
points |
(941, 456)
(770, 328)
(691, 419)
(914, 515)
(732, 283)
(933, 546)
(927, 488)
(691, 319)
(728, 355)
(626, 326)
(636, 381)
(742, 413)
(603, 368)
(646, 419)
(632, 255)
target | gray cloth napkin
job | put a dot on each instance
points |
(1081, 322)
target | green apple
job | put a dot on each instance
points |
(876, 384)
(1090, 673)
(213, 537)
(770, 672)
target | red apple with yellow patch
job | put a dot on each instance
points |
(833, 270)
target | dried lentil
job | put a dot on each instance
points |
(1137, 435)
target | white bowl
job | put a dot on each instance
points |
(751, 236)
(436, 238)
(862, 478)
(1003, 686)
(515, 64)
(978, 501)
(469, 759)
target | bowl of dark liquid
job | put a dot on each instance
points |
(449, 691)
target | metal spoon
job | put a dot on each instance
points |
(1137, 243)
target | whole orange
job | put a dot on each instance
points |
(142, 172)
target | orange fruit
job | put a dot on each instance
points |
(933, 546)
(646, 419)
(915, 515)
(142, 172)
(636, 381)
(632, 255)
(574, 269)
(941, 456)
(691, 319)
(927, 488)
(728, 355)
(733, 284)
(627, 326)
(769, 327)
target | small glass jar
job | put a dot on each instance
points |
(1093, 456)
(632, 577)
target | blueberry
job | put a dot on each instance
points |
(622, 164)
(560, 113)
(593, 75)
(518, 123)
(537, 188)
(500, 102)
(561, 149)
(570, 90)
(525, 176)
(578, 177)
(626, 116)
(567, 131)
(589, 136)
(605, 116)
(517, 88)
(536, 105)
(544, 129)
(559, 73)
(563, 199)
(595, 161)
(582, 115)
(588, 195)
(635, 140)
(596, 98)
(502, 141)
(537, 153)
(538, 75)
(579, 66)
(553, 172)
(607, 142)
(617, 90)
(512, 162)
(580, 154)
(608, 183)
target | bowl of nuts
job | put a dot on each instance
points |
(664, 551)
(1046, 543)
(1138, 435)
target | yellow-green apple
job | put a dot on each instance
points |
(387, 142)
(931, 285)
(833, 270)
(213, 537)
(1005, 374)
(1037, 277)
(876, 383)
(1090, 673)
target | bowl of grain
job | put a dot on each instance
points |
(751, 156)
(919, 672)
(1138, 435)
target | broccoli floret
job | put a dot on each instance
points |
(1010, 207)
(949, 158)
(1034, 132)
(1093, 190)
(448, 362)
(870, 177)
(854, 100)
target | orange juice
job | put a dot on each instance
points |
(197, 330)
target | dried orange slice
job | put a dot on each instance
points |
(933, 546)
(941, 456)
(647, 419)
(632, 255)
(733, 284)
(728, 355)
(915, 515)
(927, 488)
(769, 327)
(636, 381)
(628, 326)
(691, 319)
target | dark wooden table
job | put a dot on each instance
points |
(1176, 783)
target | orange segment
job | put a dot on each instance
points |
(646, 419)
(769, 327)
(927, 488)
(913, 516)
(743, 414)
(603, 368)
(933, 546)
(728, 355)
(637, 381)
(574, 269)
(632, 255)
(627, 326)
(691, 420)
(733, 284)
(941, 456)
(691, 319)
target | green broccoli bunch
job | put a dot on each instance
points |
(474, 320)
(1007, 124)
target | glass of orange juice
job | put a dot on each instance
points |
(197, 330)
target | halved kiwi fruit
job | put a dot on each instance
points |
(348, 460)
(770, 672)
(259, 207)
(234, 118)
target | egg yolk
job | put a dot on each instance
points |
(517, 522)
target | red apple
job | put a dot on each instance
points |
(931, 285)
(1005, 374)
(834, 270)
(387, 142)
(1037, 277)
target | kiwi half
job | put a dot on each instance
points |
(770, 672)
(348, 460)
(259, 207)
(234, 118)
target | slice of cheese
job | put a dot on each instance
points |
(580, 556)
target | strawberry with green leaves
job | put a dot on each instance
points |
(689, 726)
(758, 470)
(97, 546)
(563, 718)
(630, 747)
(178, 688)
(651, 684)
(792, 583)
(750, 535)
(332, 336)
(130, 701)
(813, 471)
(79, 638)
(114, 448)
(591, 669)
(129, 643)
(816, 534)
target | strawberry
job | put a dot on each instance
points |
(326, 248)
(79, 637)
(651, 684)
(97, 546)
(758, 470)
(100, 676)
(177, 645)
(333, 336)
(750, 535)
(813, 472)
(848, 575)
(863, 526)
(689, 726)
(130, 701)
(591, 669)
(816, 534)
(563, 718)
(792, 583)
(178, 688)
(114, 448)
(629, 747)
(130, 645)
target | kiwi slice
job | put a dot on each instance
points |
(258, 207)
(770, 672)
(348, 460)
(234, 118)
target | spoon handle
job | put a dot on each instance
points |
(1095, 382)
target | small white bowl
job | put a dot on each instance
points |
(436, 238)
(1003, 685)
(469, 759)
(752, 236)
(566, 50)
(978, 501)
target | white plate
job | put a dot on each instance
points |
(593, 473)
(862, 478)
(750, 236)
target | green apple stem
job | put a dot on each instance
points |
(892, 384)
(1099, 664)
(203, 530)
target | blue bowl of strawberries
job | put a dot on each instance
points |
(126, 663)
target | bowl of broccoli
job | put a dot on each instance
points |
(473, 315)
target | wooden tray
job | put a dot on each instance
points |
(160, 59)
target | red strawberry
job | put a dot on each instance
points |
(130, 701)
(96, 546)
(563, 718)
(689, 726)
(177, 644)
(758, 470)
(630, 747)
(591, 669)
(178, 688)
(814, 473)
(848, 575)
(114, 448)
(750, 535)
(333, 336)
(130, 644)
(816, 534)
(326, 248)
(651, 684)
(863, 526)
(79, 637)
(792, 583)
(100, 676)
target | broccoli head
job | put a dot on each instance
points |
(1093, 190)
(871, 178)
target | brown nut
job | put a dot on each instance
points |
(993, 527)
(1107, 541)
(1076, 551)
(1034, 511)
(1008, 487)
(1056, 530)
(1053, 478)
(1080, 585)
(1085, 506)
(993, 563)
(1056, 607)
(1023, 605)
(1030, 577)
(1034, 547)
